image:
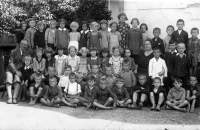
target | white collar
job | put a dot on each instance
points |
(91, 87)
(21, 51)
(72, 58)
(179, 54)
(94, 58)
(173, 51)
(64, 29)
(85, 31)
(156, 60)
(27, 67)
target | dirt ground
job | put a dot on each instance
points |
(145, 116)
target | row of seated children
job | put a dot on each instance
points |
(97, 92)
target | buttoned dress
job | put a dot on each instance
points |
(73, 62)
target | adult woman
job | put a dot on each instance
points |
(144, 58)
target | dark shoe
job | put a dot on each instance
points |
(133, 106)
(140, 105)
(74, 105)
(192, 110)
(9, 101)
(14, 101)
(153, 107)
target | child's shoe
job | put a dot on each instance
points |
(140, 105)
(192, 110)
(153, 107)
(14, 101)
(158, 108)
(133, 106)
(183, 109)
(9, 101)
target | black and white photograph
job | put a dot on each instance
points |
(99, 65)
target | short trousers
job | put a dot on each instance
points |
(72, 98)
(12, 78)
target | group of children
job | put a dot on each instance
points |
(95, 74)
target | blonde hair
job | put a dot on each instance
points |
(74, 24)
(181, 45)
(28, 58)
(94, 24)
(83, 49)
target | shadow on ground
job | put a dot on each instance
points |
(144, 116)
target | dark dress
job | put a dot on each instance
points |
(83, 39)
(39, 39)
(20, 35)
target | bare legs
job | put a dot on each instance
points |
(12, 98)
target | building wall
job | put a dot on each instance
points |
(160, 13)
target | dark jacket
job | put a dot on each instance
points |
(39, 39)
(169, 58)
(89, 93)
(182, 38)
(159, 43)
(192, 88)
(139, 87)
(26, 73)
(123, 95)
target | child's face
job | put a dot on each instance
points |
(53, 82)
(127, 53)
(95, 69)
(103, 26)
(194, 33)
(122, 18)
(193, 81)
(84, 27)
(72, 52)
(157, 83)
(52, 25)
(84, 53)
(119, 84)
(93, 53)
(134, 24)
(143, 29)
(105, 54)
(181, 49)
(177, 85)
(67, 71)
(79, 79)
(180, 25)
(113, 27)
(142, 80)
(91, 83)
(48, 55)
(41, 28)
(39, 54)
(74, 28)
(108, 71)
(156, 53)
(170, 31)
(102, 84)
(38, 79)
(24, 26)
(51, 71)
(126, 67)
(95, 28)
(32, 23)
(62, 25)
(60, 52)
(156, 34)
(27, 62)
(72, 79)
(116, 52)
(172, 46)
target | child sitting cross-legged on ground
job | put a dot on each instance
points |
(157, 94)
(140, 91)
(36, 89)
(72, 92)
(89, 91)
(193, 93)
(123, 98)
(53, 94)
(176, 96)
(103, 97)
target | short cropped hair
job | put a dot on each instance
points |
(156, 48)
(125, 61)
(62, 21)
(41, 23)
(84, 22)
(72, 74)
(53, 21)
(194, 29)
(181, 44)
(108, 66)
(144, 24)
(135, 19)
(171, 42)
(53, 77)
(157, 29)
(170, 26)
(51, 67)
(157, 78)
(74, 24)
(79, 74)
(120, 79)
(39, 49)
(28, 57)
(91, 78)
(38, 75)
(179, 80)
(103, 80)
(104, 50)
(60, 48)
(95, 65)
(142, 75)
(180, 20)
(193, 77)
